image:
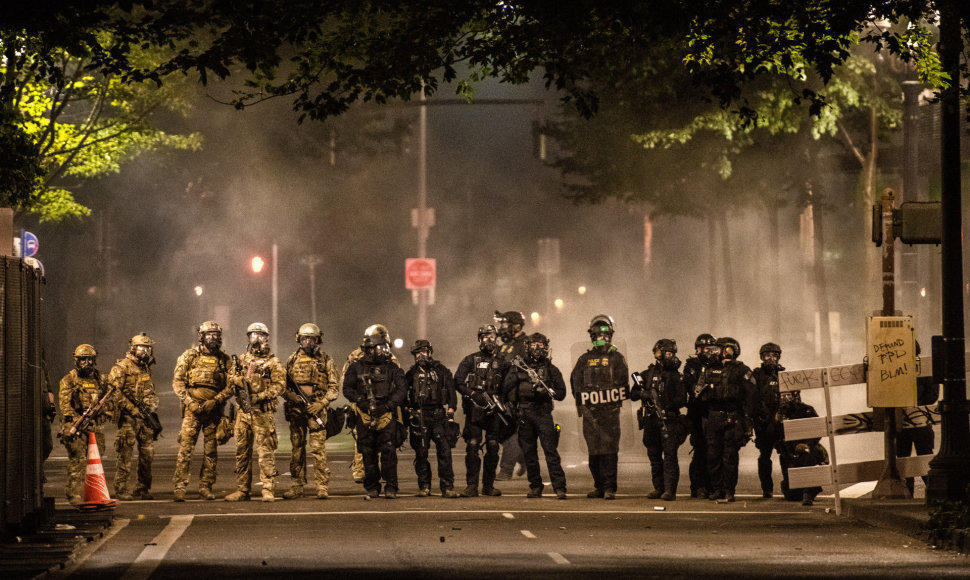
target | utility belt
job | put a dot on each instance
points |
(433, 413)
(265, 406)
(727, 415)
(537, 405)
(202, 392)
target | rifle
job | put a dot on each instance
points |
(242, 391)
(533, 376)
(416, 419)
(371, 402)
(650, 402)
(306, 404)
(82, 423)
(488, 402)
(149, 418)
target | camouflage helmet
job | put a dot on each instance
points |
(769, 347)
(85, 350)
(730, 348)
(209, 326)
(257, 327)
(375, 330)
(308, 329)
(141, 339)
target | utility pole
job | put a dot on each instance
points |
(311, 261)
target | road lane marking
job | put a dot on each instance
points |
(508, 515)
(152, 555)
(528, 534)
(670, 512)
(558, 558)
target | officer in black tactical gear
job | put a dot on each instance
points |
(431, 407)
(510, 326)
(700, 479)
(599, 383)
(731, 400)
(662, 392)
(803, 453)
(767, 429)
(532, 384)
(377, 388)
(489, 421)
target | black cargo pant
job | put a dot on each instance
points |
(662, 441)
(477, 435)
(536, 423)
(700, 479)
(434, 423)
(767, 434)
(725, 437)
(379, 452)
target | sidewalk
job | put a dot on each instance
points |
(906, 516)
(54, 546)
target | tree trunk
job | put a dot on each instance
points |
(821, 288)
(712, 272)
(774, 242)
(730, 304)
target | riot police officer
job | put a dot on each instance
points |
(510, 326)
(730, 399)
(137, 402)
(767, 428)
(79, 391)
(431, 411)
(259, 379)
(488, 422)
(311, 373)
(201, 383)
(662, 392)
(599, 384)
(532, 384)
(700, 479)
(376, 388)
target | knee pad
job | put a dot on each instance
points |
(473, 445)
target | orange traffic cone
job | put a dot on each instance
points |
(95, 485)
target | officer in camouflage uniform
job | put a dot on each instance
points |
(768, 430)
(312, 372)
(201, 383)
(376, 388)
(80, 389)
(479, 376)
(523, 386)
(663, 395)
(135, 394)
(259, 379)
(372, 331)
(599, 385)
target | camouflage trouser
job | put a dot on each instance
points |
(357, 465)
(257, 428)
(130, 432)
(77, 454)
(187, 438)
(299, 433)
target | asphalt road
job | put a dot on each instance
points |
(508, 537)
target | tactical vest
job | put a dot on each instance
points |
(525, 389)
(306, 371)
(724, 390)
(426, 387)
(378, 378)
(138, 382)
(207, 370)
(768, 385)
(87, 393)
(260, 378)
(486, 374)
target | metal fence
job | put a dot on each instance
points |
(21, 403)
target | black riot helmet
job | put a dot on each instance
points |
(377, 347)
(487, 337)
(509, 324)
(730, 348)
(665, 351)
(703, 340)
(422, 352)
(770, 348)
(601, 330)
(537, 347)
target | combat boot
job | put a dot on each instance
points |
(491, 491)
(534, 492)
(655, 494)
(238, 495)
(206, 493)
(179, 494)
(390, 493)
(76, 499)
(596, 493)
(560, 494)
(470, 491)
(423, 492)
(143, 494)
(668, 496)
(294, 491)
(268, 495)
(609, 495)
(449, 493)
(321, 493)
(124, 496)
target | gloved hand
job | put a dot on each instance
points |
(135, 413)
(450, 414)
(292, 397)
(208, 406)
(194, 407)
(315, 408)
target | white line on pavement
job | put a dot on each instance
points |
(726, 512)
(528, 534)
(153, 554)
(558, 558)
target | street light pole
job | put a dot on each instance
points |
(276, 296)
(311, 261)
(423, 222)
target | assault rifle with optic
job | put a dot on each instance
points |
(83, 423)
(533, 376)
